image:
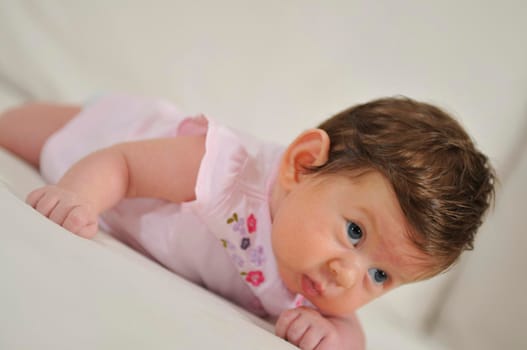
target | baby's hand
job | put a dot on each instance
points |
(308, 329)
(65, 208)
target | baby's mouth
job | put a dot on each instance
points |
(311, 288)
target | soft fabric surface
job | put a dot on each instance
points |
(61, 291)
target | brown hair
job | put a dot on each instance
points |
(443, 183)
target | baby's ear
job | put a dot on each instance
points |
(309, 149)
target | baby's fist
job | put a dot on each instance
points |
(307, 329)
(65, 208)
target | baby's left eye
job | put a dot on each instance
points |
(354, 232)
(378, 276)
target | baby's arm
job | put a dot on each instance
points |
(164, 168)
(309, 330)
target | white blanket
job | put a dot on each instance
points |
(60, 291)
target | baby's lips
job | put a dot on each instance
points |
(311, 287)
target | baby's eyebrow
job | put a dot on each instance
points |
(405, 279)
(368, 215)
(414, 276)
(395, 275)
(400, 266)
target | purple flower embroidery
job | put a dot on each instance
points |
(256, 255)
(230, 246)
(239, 226)
(238, 260)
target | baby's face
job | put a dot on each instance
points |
(342, 242)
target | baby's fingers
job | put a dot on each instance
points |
(307, 329)
(81, 221)
(88, 231)
(314, 338)
(64, 208)
(284, 321)
(42, 201)
(298, 325)
(35, 195)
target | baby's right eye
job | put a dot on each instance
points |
(354, 232)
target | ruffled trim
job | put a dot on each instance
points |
(222, 163)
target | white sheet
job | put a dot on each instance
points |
(60, 291)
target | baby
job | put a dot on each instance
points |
(382, 194)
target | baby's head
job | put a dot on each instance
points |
(443, 184)
(382, 194)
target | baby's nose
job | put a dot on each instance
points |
(344, 276)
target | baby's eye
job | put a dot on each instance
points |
(354, 232)
(378, 276)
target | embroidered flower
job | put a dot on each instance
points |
(246, 242)
(227, 245)
(251, 223)
(238, 260)
(256, 255)
(255, 277)
(239, 226)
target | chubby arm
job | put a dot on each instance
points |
(164, 168)
(309, 330)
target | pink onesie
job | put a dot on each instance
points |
(222, 240)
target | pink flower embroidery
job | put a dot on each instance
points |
(251, 223)
(255, 278)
